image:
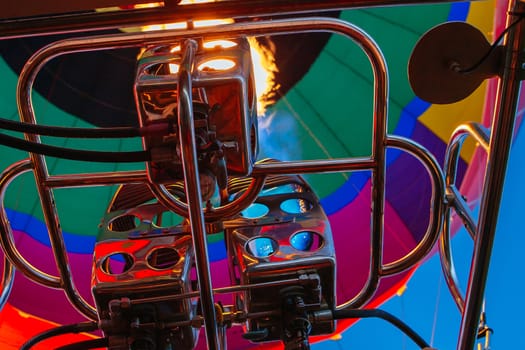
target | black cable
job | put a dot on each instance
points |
(59, 131)
(71, 328)
(368, 313)
(492, 47)
(74, 154)
(86, 344)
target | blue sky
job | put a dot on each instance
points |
(427, 306)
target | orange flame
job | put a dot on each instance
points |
(264, 68)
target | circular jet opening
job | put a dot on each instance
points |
(296, 206)
(163, 258)
(255, 211)
(306, 241)
(117, 263)
(262, 247)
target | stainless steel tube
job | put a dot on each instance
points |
(49, 209)
(193, 192)
(82, 22)
(57, 243)
(96, 179)
(437, 179)
(314, 166)
(499, 148)
(6, 233)
(8, 278)
(226, 211)
(447, 264)
(455, 201)
(478, 132)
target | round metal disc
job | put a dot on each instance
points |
(438, 59)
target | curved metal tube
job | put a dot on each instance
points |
(455, 201)
(6, 233)
(8, 279)
(125, 40)
(438, 200)
(480, 133)
(448, 266)
(482, 136)
(59, 249)
(226, 211)
(53, 225)
(370, 48)
(476, 130)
